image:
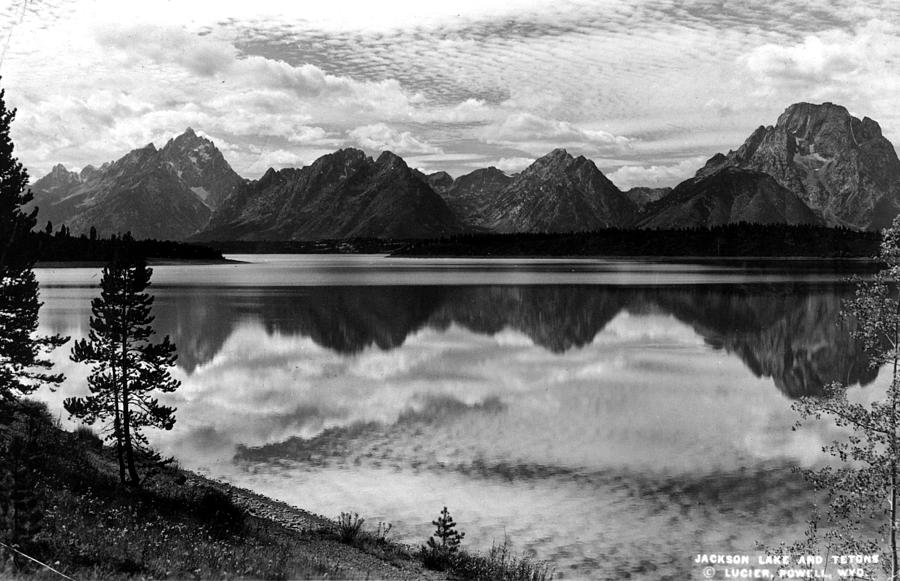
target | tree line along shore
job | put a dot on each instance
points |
(718, 242)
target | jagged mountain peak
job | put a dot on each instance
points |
(558, 193)
(805, 111)
(159, 193)
(87, 172)
(343, 194)
(557, 157)
(189, 142)
(59, 181)
(138, 156)
(201, 166)
(841, 166)
(346, 155)
(440, 175)
(390, 160)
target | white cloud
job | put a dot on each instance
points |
(380, 137)
(468, 111)
(812, 60)
(529, 127)
(513, 164)
(837, 62)
(655, 176)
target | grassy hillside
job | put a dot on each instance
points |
(75, 520)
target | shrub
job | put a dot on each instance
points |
(349, 527)
(218, 508)
(500, 564)
(88, 437)
(381, 533)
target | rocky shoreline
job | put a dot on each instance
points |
(319, 532)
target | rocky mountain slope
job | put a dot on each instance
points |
(153, 193)
(138, 193)
(642, 196)
(201, 166)
(470, 195)
(341, 195)
(840, 166)
(728, 196)
(816, 165)
(557, 193)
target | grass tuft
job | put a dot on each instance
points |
(500, 564)
(88, 437)
(349, 527)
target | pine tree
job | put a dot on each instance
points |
(861, 516)
(23, 366)
(127, 368)
(444, 544)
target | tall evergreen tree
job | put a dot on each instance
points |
(127, 368)
(23, 363)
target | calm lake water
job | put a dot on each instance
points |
(616, 418)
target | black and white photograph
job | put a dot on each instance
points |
(488, 290)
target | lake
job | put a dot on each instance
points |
(614, 417)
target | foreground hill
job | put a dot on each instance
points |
(345, 194)
(178, 525)
(69, 510)
(842, 167)
(153, 193)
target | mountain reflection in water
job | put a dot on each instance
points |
(790, 333)
(582, 420)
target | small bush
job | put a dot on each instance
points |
(381, 533)
(349, 527)
(88, 437)
(217, 507)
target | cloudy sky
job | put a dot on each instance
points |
(647, 89)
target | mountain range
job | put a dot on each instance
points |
(167, 193)
(817, 165)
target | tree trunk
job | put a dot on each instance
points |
(133, 477)
(117, 428)
(894, 558)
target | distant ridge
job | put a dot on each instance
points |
(557, 193)
(165, 194)
(345, 194)
(817, 165)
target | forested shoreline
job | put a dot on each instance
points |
(732, 240)
(62, 246)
